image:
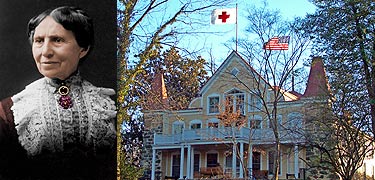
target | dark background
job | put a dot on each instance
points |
(17, 66)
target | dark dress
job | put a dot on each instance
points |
(75, 162)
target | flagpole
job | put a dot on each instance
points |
(236, 26)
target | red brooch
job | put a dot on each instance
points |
(65, 100)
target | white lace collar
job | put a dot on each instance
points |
(43, 125)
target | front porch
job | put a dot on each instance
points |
(216, 161)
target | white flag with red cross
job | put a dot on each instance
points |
(224, 16)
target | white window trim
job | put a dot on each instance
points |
(177, 122)
(208, 103)
(213, 120)
(213, 152)
(234, 69)
(252, 104)
(227, 93)
(255, 117)
(171, 160)
(200, 161)
(281, 160)
(195, 121)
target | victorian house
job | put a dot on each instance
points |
(199, 141)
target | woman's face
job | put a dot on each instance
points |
(55, 50)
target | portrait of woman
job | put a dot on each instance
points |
(60, 126)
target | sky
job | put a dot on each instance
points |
(289, 9)
(206, 42)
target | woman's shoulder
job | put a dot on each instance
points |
(5, 109)
(29, 90)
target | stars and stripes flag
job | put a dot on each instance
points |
(277, 43)
(224, 16)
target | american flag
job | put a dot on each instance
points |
(277, 43)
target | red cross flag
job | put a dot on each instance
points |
(277, 43)
(224, 16)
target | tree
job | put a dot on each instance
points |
(139, 33)
(183, 76)
(275, 68)
(343, 33)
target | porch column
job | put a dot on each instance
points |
(234, 160)
(182, 162)
(153, 164)
(250, 161)
(241, 162)
(192, 163)
(188, 162)
(296, 166)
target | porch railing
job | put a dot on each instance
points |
(224, 134)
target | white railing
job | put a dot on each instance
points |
(221, 134)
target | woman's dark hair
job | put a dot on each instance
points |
(71, 18)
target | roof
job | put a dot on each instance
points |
(317, 83)
(157, 98)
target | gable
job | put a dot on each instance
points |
(234, 72)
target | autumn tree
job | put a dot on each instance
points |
(274, 69)
(140, 33)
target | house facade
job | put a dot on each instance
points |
(227, 131)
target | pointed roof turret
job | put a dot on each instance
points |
(317, 83)
(157, 98)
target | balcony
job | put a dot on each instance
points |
(226, 134)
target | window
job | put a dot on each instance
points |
(196, 162)
(295, 120)
(176, 165)
(279, 121)
(271, 162)
(178, 127)
(256, 160)
(255, 103)
(234, 71)
(195, 124)
(213, 104)
(212, 160)
(229, 161)
(255, 122)
(213, 123)
(235, 101)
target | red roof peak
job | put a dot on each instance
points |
(317, 83)
(157, 98)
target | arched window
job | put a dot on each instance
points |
(255, 122)
(195, 124)
(213, 123)
(178, 127)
